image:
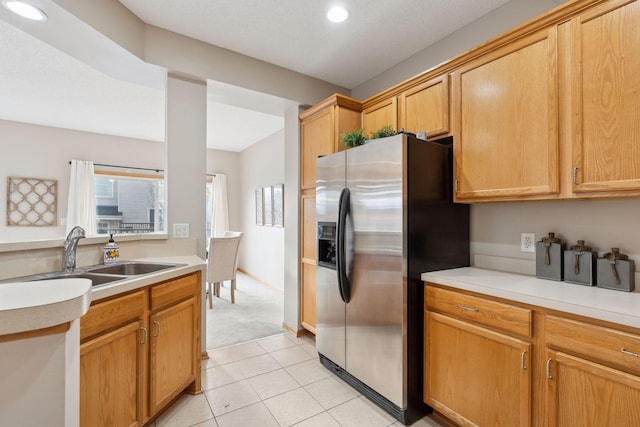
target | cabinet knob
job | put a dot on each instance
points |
(575, 176)
(523, 363)
(549, 369)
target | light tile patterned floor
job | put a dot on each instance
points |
(275, 381)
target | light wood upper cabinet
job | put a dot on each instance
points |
(605, 104)
(317, 140)
(321, 127)
(383, 113)
(425, 107)
(505, 121)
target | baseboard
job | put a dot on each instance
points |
(296, 332)
(510, 265)
(257, 279)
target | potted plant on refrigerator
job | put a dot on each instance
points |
(353, 138)
(384, 132)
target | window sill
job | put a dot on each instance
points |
(91, 240)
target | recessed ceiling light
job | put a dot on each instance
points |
(337, 14)
(25, 10)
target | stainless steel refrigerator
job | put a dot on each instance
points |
(384, 215)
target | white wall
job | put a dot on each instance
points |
(186, 157)
(44, 152)
(262, 247)
(500, 20)
(602, 224)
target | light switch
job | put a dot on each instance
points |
(180, 231)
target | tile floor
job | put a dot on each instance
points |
(274, 381)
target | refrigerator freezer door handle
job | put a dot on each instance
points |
(341, 259)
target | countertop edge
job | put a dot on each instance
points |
(617, 307)
(53, 312)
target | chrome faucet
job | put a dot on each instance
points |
(70, 245)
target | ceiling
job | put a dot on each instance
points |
(295, 34)
(40, 84)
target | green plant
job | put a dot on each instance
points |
(353, 138)
(383, 132)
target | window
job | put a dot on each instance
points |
(104, 187)
(129, 204)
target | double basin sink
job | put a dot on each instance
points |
(102, 274)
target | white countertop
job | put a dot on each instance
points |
(590, 301)
(28, 306)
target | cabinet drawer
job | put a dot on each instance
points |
(112, 313)
(594, 342)
(174, 290)
(494, 314)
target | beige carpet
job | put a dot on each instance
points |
(257, 313)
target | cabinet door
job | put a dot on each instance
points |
(383, 113)
(308, 268)
(110, 373)
(425, 107)
(582, 393)
(318, 139)
(476, 376)
(174, 349)
(505, 121)
(606, 103)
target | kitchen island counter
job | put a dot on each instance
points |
(590, 301)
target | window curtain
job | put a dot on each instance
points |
(220, 206)
(81, 207)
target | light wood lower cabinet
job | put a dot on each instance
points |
(172, 344)
(110, 380)
(490, 363)
(586, 394)
(592, 374)
(476, 376)
(138, 352)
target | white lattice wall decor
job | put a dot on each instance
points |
(32, 202)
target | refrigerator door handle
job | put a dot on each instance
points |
(341, 258)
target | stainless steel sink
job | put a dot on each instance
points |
(100, 274)
(131, 268)
(96, 279)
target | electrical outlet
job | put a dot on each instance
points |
(527, 242)
(180, 231)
